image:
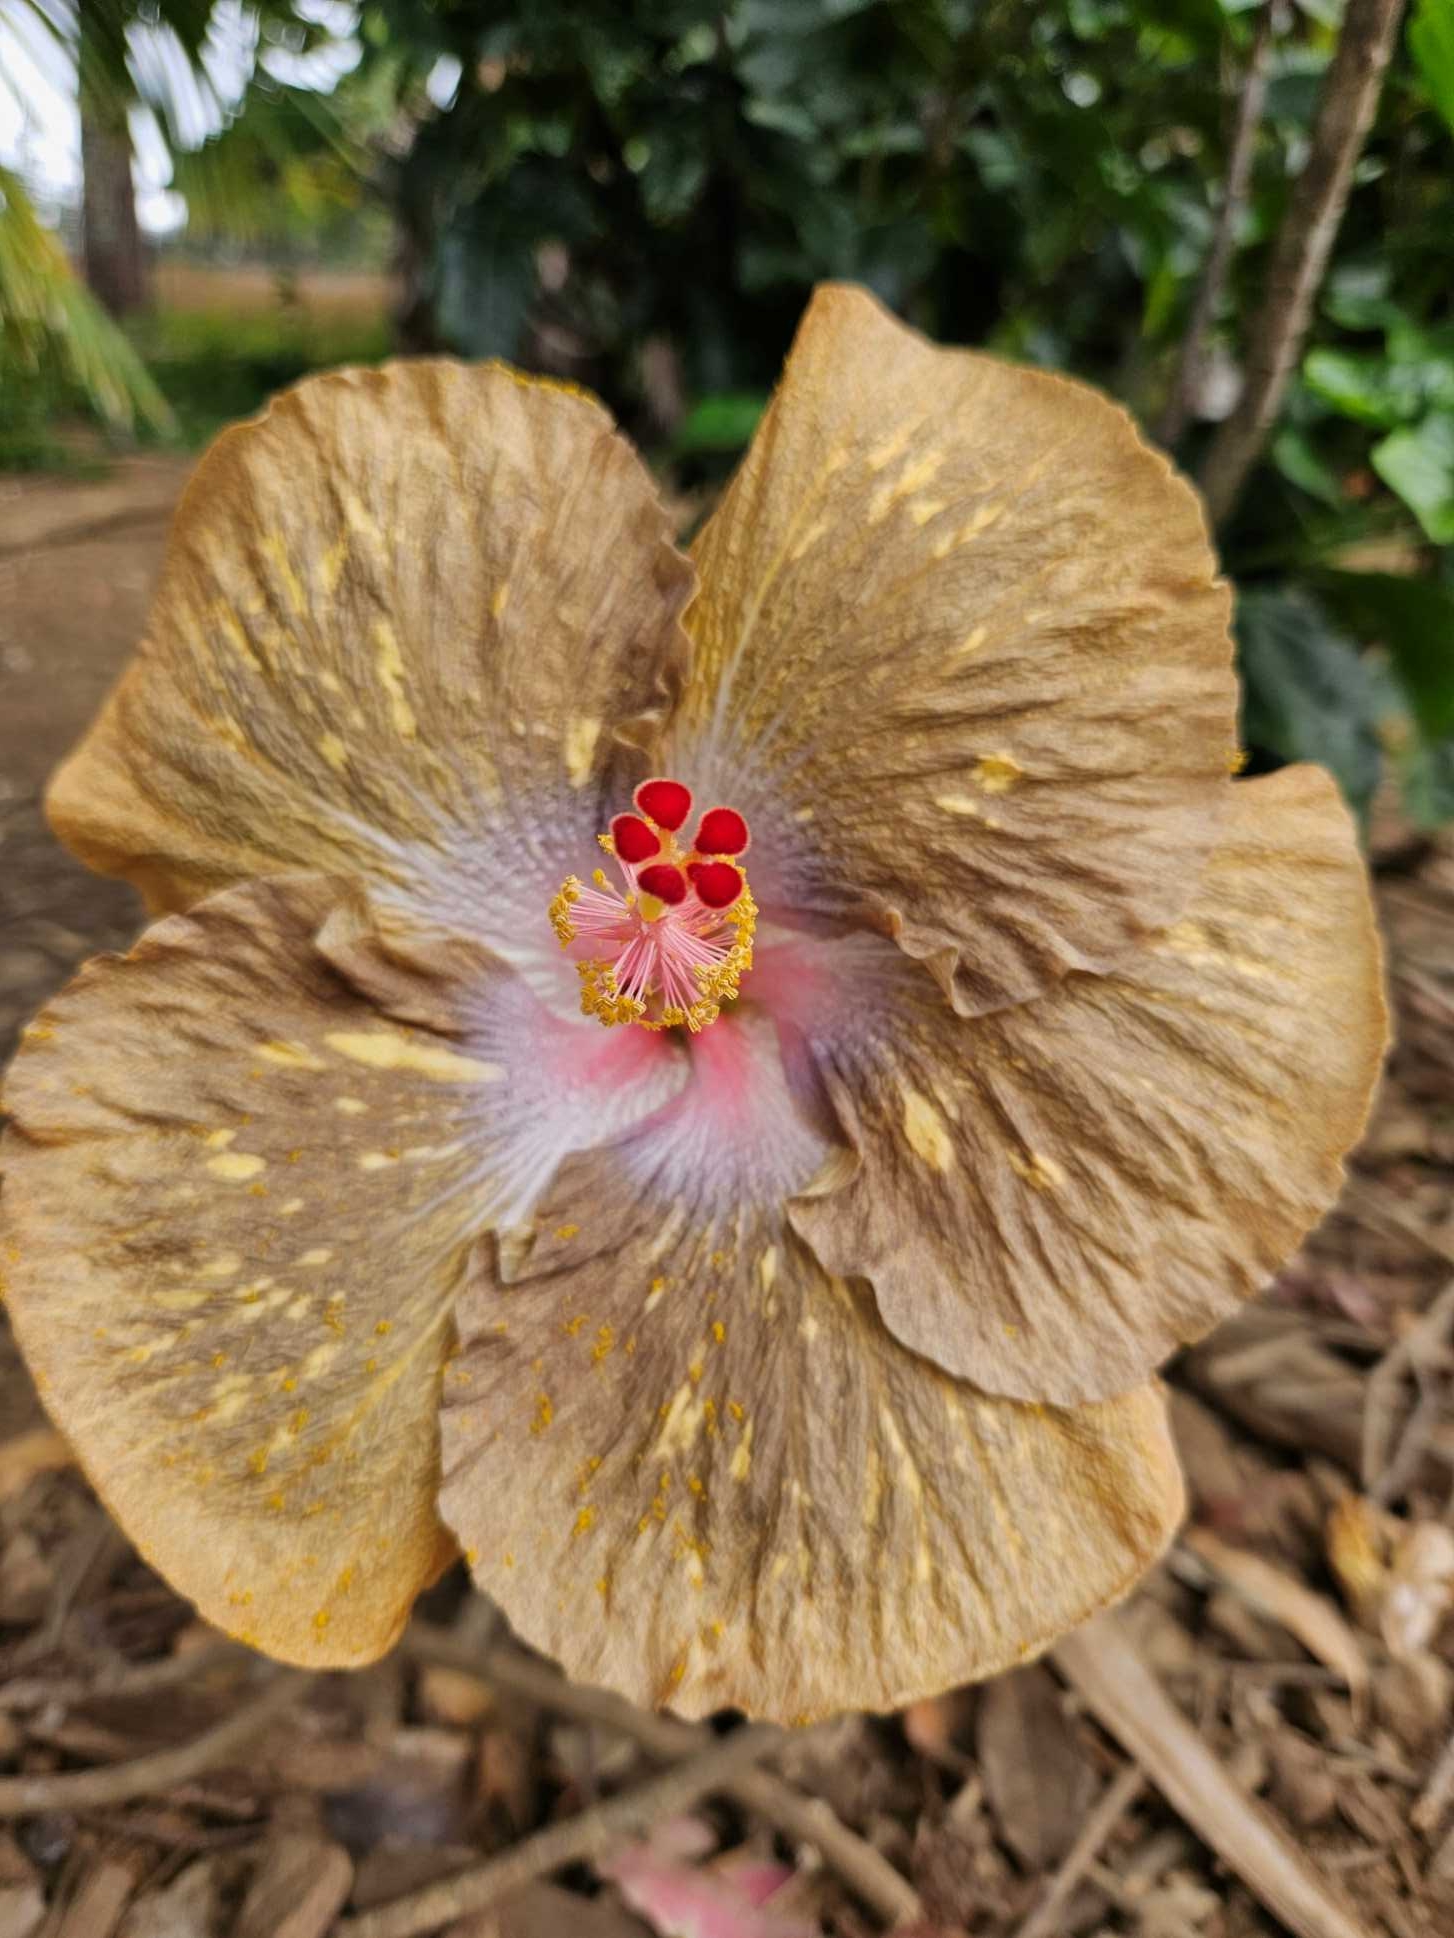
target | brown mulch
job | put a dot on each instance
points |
(1260, 1742)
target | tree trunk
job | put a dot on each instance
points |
(1304, 243)
(112, 252)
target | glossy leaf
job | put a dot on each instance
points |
(1308, 694)
(1419, 465)
(1413, 620)
(1431, 41)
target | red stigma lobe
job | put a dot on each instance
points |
(666, 882)
(718, 883)
(722, 831)
(634, 841)
(667, 803)
(669, 945)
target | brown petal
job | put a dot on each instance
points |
(961, 657)
(232, 1226)
(1052, 1199)
(401, 601)
(697, 1469)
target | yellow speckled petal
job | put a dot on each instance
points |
(403, 610)
(961, 658)
(1052, 1199)
(237, 1202)
(696, 1468)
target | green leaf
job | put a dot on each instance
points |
(1413, 620)
(1327, 13)
(1426, 781)
(1368, 388)
(1356, 294)
(1299, 463)
(1424, 358)
(1431, 42)
(724, 422)
(1419, 465)
(1307, 694)
(50, 322)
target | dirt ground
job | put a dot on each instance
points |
(252, 287)
(1259, 1743)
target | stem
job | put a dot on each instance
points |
(1213, 280)
(1304, 243)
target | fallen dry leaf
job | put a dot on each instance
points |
(189, 1907)
(101, 1898)
(41, 1450)
(1310, 1617)
(1420, 1591)
(938, 1727)
(298, 1890)
(1398, 1576)
(1102, 1665)
(453, 1698)
(1414, 1697)
(1303, 1785)
(1357, 1544)
(1034, 1776)
(22, 1909)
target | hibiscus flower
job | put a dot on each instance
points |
(750, 1238)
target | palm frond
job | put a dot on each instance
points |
(283, 163)
(49, 323)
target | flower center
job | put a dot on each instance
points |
(673, 942)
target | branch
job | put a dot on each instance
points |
(29, 1796)
(122, 1678)
(1173, 419)
(1304, 243)
(590, 1834)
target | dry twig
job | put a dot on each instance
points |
(590, 1834)
(145, 1776)
(1381, 1409)
(863, 1869)
(93, 1550)
(122, 1678)
(1119, 1794)
(1304, 242)
(1433, 1799)
(1102, 1665)
(1312, 1618)
(1378, 1204)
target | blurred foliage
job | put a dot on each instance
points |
(288, 168)
(58, 348)
(640, 194)
(1431, 38)
(185, 71)
(214, 366)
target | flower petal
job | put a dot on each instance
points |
(697, 1469)
(1052, 1199)
(961, 659)
(402, 602)
(237, 1203)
